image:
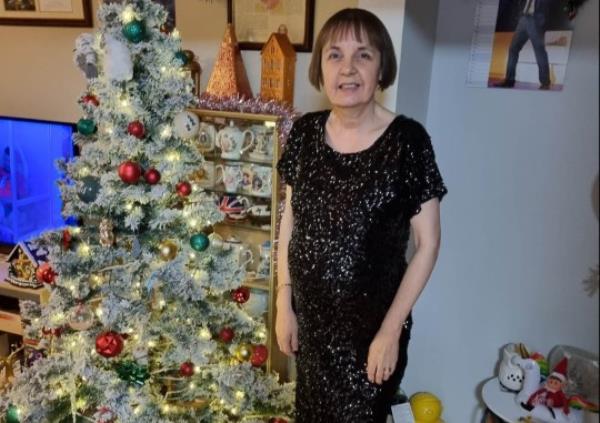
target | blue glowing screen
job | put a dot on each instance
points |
(29, 195)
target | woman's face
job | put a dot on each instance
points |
(350, 71)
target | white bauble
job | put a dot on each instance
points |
(256, 305)
(186, 124)
(81, 317)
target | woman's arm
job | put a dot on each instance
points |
(383, 352)
(285, 323)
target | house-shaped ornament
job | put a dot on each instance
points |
(278, 65)
(229, 76)
(23, 261)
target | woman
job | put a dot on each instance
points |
(357, 179)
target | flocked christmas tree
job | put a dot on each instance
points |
(144, 322)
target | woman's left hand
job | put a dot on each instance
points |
(383, 356)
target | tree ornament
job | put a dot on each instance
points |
(277, 420)
(66, 239)
(109, 344)
(81, 317)
(226, 335)
(182, 57)
(133, 373)
(85, 56)
(118, 65)
(167, 250)
(45, 273)
(187, 124)
(52, 331)
(240, 295)
(33, 356)
(107, 236)
(104, 414)
(199, 241)
(136, 128)
(89, 189)
(12, 414)
(184, 188)
(216, 240)
(130, 172)
(243, 352)
(186, 369)
(152, 176)
(86, 126)
(259, 356)
(91, 100)
(134, 31)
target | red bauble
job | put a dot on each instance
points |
(130, 172)
(109, 344)
(90, 99)
(136, 128)
(259, 356)
(186, 369)
(44, 273)
(184, 188)
(66, 239)
(226, 335)
(277, 420)
(240, 295)
(152, 176)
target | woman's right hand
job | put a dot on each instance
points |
(286, 329)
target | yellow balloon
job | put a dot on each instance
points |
(426, 408)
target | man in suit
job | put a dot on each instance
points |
(531, 26)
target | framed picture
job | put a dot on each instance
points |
(255, 20)
(46, 12)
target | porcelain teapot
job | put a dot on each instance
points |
(242, 251)
(234, 142)
(510, 373)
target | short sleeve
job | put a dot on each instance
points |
(421, 174)
(289, 162)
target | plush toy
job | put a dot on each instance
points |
(85, 56)
(544, 404)
(551, 394)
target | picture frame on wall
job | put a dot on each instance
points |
(255, 20)
(77, 13)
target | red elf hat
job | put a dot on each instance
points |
(560, 370)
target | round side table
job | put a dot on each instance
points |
(501, 402)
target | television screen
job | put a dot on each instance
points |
(29, 197)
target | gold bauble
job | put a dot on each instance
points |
(243, 352)
(167, 250)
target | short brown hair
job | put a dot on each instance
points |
(360, 22)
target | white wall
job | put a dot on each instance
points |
(519, 227)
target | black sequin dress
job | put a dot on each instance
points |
(346, 259)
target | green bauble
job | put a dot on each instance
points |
(12, 414)
(182, 57)
(133, 373)
(135, 31)
(199, 242)
(89, 191)
(86, 126)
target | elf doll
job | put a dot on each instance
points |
(551, 394)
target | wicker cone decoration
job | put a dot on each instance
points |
(229, 76)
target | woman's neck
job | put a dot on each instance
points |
(353, 118)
